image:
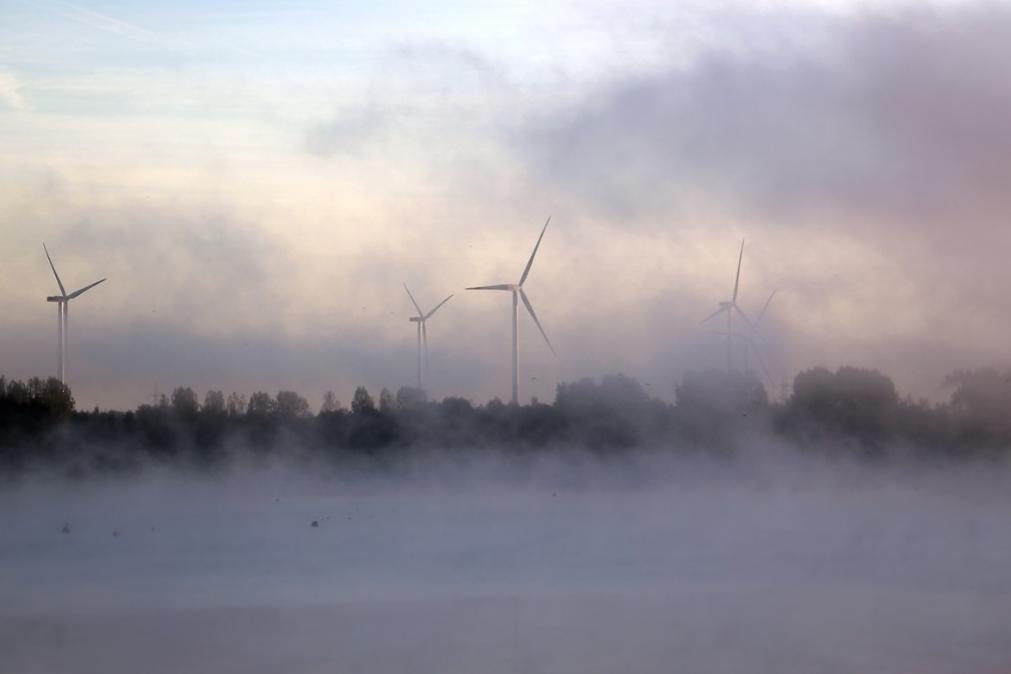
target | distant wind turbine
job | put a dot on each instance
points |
(421, 319)
(750, 340)
(63, 321)
(517, 290)
(731, 307)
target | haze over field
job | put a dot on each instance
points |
(775, 564)
(258, 181)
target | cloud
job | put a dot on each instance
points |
(896, 117)
(10, 92)
(349, 132)
(421, 93)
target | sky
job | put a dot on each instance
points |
(257, 181)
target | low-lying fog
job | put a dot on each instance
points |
(569, 565)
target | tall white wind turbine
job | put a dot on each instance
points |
(62, 317)
(421, 320)
(730, 307)
(517, 290)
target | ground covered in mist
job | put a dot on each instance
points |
(770, 562)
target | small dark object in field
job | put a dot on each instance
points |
(66, 528)
(315, 524)
(115, 534)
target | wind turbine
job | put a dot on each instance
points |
(750, 341)
(63, 321)
(517, 290)
(731, 307)
(422, 332)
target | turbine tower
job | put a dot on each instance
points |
(517, 290)
(731, 307)
(62, 317)
(420, 319)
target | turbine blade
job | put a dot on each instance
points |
(737, 280)
(413, 301)
(500, 286)
(530, 262)
(53, 267)
(764, 309)
(743, 315)
(429, 314)
(713, 315)
(78, 293)
(533, 315)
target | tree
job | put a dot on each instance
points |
(981, 401)
(53, 395)
(291, 405)
(387, 405)
(721, 394)
(362, 403)
(214, 402)
(184, 402)
(614, 413)
(852, 402)
(330, 403)
(260, 405)
(410, 396)
(236, 405)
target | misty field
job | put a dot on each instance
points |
(566, 566)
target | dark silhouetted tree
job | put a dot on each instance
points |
(236, 405)
(410, 396)
(261, 405)
(330, 403)
(981, 405)
(214, 403)
(291, 405)
(852, 402)
(362, 403)
(184, 403)
(387, 405)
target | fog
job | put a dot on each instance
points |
(769, 562)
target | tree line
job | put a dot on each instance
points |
(849, 410)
